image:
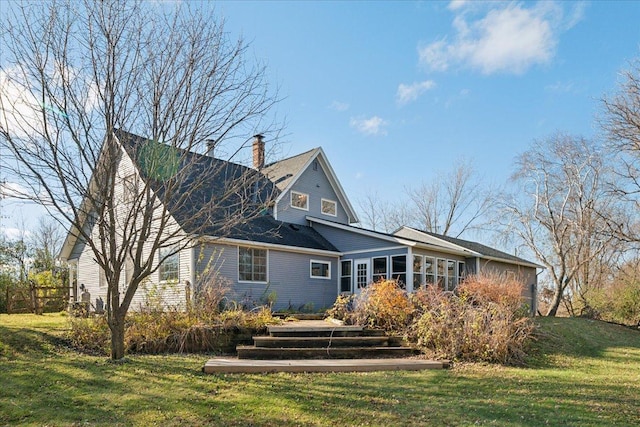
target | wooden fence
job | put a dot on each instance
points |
(37, 299)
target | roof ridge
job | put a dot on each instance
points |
(292, 157)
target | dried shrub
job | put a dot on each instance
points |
(493, 287)
(90, 335)
(384, 305)
(342, 309)
(479, 324)
(211, 298)
(171, 331)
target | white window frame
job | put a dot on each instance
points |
(317, 261)
(452, 279)
(335, 207)
(418, 274)
(397, 273)
(162, 261)
(386, 268)
(306, 208)
(442, 276)
(463, 265)
(266, 266)
(342, 276)
(434, 270)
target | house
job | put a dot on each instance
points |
(303, 249)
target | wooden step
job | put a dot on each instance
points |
(321, 342)
(315, 331)
(252, 352)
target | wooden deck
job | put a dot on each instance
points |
(234, 365)
(320, 346)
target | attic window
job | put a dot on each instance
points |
(329, 207)
(299, 200)
(315, 165)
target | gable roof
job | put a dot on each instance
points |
(479, 249)
(285, 173)
(205, 179)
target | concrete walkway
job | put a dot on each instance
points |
(233, 365)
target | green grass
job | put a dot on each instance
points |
(583, 373)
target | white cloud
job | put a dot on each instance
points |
(508, 38)
(18, 106)
(409, 93)
(560, 87)
(372, 126)
(12, 233)
(339, 106)
(12, 190)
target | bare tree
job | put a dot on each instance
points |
(76, 75)
(46, 241)
(451, 204)
(381, 215)
(561, 210)
(621, 122)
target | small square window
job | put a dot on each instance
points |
(320, 269)
(299, 200)
(329, 207)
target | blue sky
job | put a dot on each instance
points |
(396, 92)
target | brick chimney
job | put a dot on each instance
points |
(258, 151)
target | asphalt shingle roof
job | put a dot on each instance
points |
(206, 179)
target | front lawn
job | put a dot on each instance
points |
(584, 373)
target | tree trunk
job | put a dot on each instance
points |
(557, 299)
(116, 324)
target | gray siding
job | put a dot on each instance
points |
(288, 276)
(347, 241)
(316, 184)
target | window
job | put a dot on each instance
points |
(102, 278)
(399, 269)
(320, 269)
(299, 200)
(441, 276)
(462, 271)
(429, 270)
(417, 272)
(169, 268)
(329, 207)
(345, 276)
(252, 265)
(130, 187)
(451, 275)
(379, 269)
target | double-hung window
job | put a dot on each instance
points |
(417, 272)
(429, 270)
(252, 264)
(345, 275)
(399, 269)
(379, 269)
(169, 270)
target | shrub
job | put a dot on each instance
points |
(383, 305)
(154, 332)
(342, 309)
(90, 335)
(485, 321)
